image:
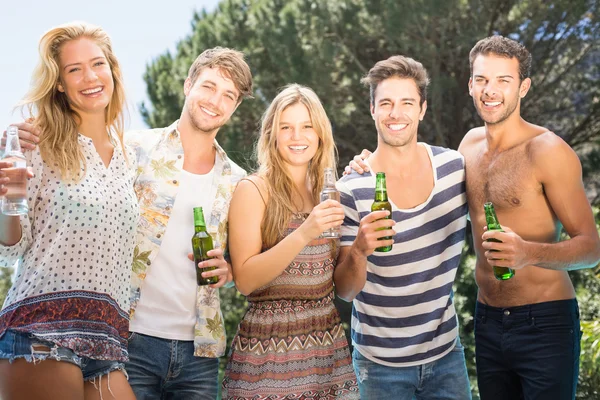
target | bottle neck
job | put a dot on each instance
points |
(381, 195)
(491, 220)
(328, 180)
(380, 189)
(199, 224)
(199, 228)
(13, 147)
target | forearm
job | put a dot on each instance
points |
(10, 230)
(263, 268)
(576, 253)
(229, 283)
(350, 275)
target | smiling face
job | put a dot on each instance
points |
(85, 76)
(396, 111)
(297, 140)
(496, 88)
(210, 100)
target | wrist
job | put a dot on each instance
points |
(303, 235)
(532, 252)
(229, 273)
(357, 255)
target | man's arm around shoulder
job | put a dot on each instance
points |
(470, 138)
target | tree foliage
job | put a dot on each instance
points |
(588, 287)
(330, 45)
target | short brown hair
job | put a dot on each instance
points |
(401, 67)
(503, 47)
(229, 60)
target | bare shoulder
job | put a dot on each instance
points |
(547, 146)
(471, 140)
(252, 188)
(550, 154)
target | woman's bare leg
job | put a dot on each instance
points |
(112, 386)
(44, 380)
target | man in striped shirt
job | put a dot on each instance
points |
(404, 326)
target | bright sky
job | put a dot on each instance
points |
(140, 32)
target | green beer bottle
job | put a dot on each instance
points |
(381, 203)
(501, 273)
(201, 244)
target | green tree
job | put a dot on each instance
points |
(588, 287)
(330, 45)
(589, 374)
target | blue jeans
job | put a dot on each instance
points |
(442, 379)
(14, 344)
(167, 369)
(528, 352)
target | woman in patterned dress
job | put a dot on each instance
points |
(290, 343)
(64, 324)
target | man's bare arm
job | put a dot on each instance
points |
(351, 271)
(559, 170)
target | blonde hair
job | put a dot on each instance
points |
(279, 183)
(50, 108)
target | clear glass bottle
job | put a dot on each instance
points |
(330, 192)
(15, 200)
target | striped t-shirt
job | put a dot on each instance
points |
(404, 315)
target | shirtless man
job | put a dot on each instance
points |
(526, 328)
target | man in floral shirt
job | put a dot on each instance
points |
(177, 330)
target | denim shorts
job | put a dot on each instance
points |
(14, 344)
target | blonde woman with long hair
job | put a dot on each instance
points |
(64, 324)
(290, 343)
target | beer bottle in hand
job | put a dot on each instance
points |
(501, 273)
(201, 244)
(381, 203)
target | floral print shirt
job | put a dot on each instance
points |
(160, 159)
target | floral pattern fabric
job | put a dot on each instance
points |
(160, 159)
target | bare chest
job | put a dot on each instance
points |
(506, 179)
(412, 192)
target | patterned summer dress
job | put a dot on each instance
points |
(291, 342)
